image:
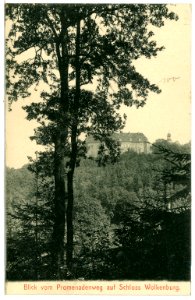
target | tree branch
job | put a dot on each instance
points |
(51, 26)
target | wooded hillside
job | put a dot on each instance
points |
(131, 219)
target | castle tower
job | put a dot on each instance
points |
(169, 137)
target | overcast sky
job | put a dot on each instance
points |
(169, 111)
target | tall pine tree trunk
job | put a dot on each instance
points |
(74, 150)
(59, 211)
(58, 237)
(69, 251)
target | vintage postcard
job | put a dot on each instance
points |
(98, 148)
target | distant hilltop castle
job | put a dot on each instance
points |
(137, 142)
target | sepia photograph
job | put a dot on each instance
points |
(98, 148)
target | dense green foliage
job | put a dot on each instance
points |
(129, 222)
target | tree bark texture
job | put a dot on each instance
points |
(74, 150)
(59, 157)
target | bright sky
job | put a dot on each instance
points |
(169, 111)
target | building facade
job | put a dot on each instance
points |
(128, 141)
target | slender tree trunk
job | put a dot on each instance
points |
(70, 206)
(58, 237)
(69, 251)
(59, 214)
(74, 150)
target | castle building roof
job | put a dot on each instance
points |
(134, 137)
